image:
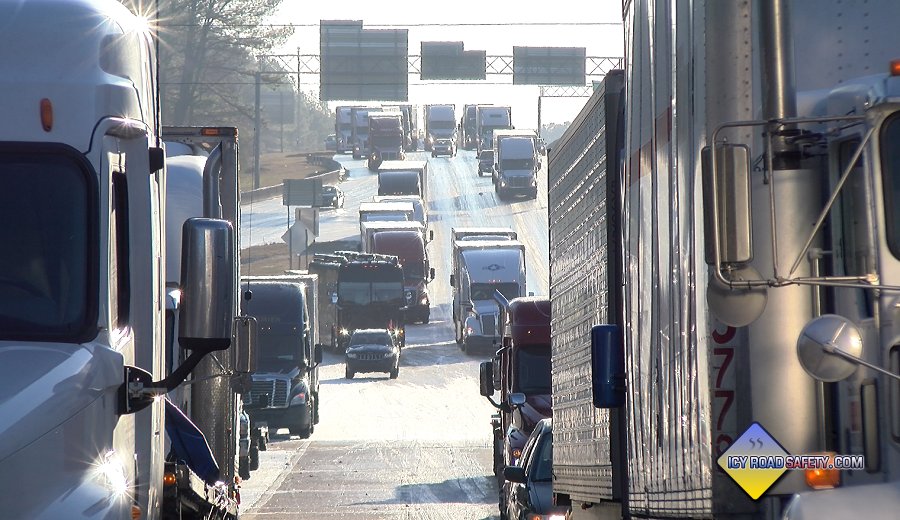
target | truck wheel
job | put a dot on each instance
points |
(253, 458)
(304, 433)
(348, 374)
(244, 468)
(316, 410)
(427, 317)
(262, 444)
(395, 372)
(480, 173)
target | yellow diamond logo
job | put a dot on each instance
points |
(755, 461)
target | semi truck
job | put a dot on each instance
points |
(385, 139)
(758, 179)
(481, 267)
(440, 123)
(517, 163)
(467, 130)
(487, 119)
(419, 167)
(369, 295)
(285, 387)
(82, 313)
(520, 371)
(410, 122)
(409, 246)
(343, 129)
(202, 181)
(326, 267)
(367, 231)
(359, 131)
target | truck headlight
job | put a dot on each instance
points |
(298, 399)
(344, 332)
(409, 296)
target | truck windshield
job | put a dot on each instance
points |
(46, 262)
(364, 293)
(533, 372)
(442, 125)
(517, 164)
(414, 270)
(384, 141)
(890, 157)
(485, 291)
(277, 351)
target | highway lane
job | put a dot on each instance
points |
(418, 446)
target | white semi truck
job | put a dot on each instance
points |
(440, 124)
(82, 297)
(735, 267)
(481, 267)
(202, 181)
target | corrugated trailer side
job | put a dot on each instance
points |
(585, 290)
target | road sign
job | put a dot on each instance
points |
(450, 60)
(309, 217)
(548, 65)
(362, 64)
(302, 192)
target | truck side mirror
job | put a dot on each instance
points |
(514, 474)
(486, 378)
(431, 273)
(516, 399)
(731, 187)
(208, 285)
(607, 367)
(246, 330)
(452, 281)
(318, 353)
(431, 235)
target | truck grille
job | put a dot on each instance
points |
(488, 325)
(277, 389)
(519, 181)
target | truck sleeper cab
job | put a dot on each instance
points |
(282, 393)
(409, 248)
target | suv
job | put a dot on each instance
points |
(372, 350)
(485, 162)
(528, 490)
(444, 146)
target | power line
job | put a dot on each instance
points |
(401, 26)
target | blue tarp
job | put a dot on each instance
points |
(190, 445)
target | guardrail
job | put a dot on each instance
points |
(271, 192)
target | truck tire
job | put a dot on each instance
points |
(253, 458)
(316, 409)
(395, 372)
(304, 433)
(348, 374)
(262, 443)
(427, 317)
(244, 468)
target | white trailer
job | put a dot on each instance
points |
(765, 293)
(480, 267)
(82, 318)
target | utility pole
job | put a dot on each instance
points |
(256, 132)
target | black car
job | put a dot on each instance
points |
(372, 350)
(332, 196)
(485, 162)
(528, 490)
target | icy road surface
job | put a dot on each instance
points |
(418, 446)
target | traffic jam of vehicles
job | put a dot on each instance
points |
(683, 307)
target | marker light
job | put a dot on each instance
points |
(895, 67)
(136, 512)
(824, 478)
(46, 114)
(516, 453)
(169, 479)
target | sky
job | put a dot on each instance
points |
(603, 38)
